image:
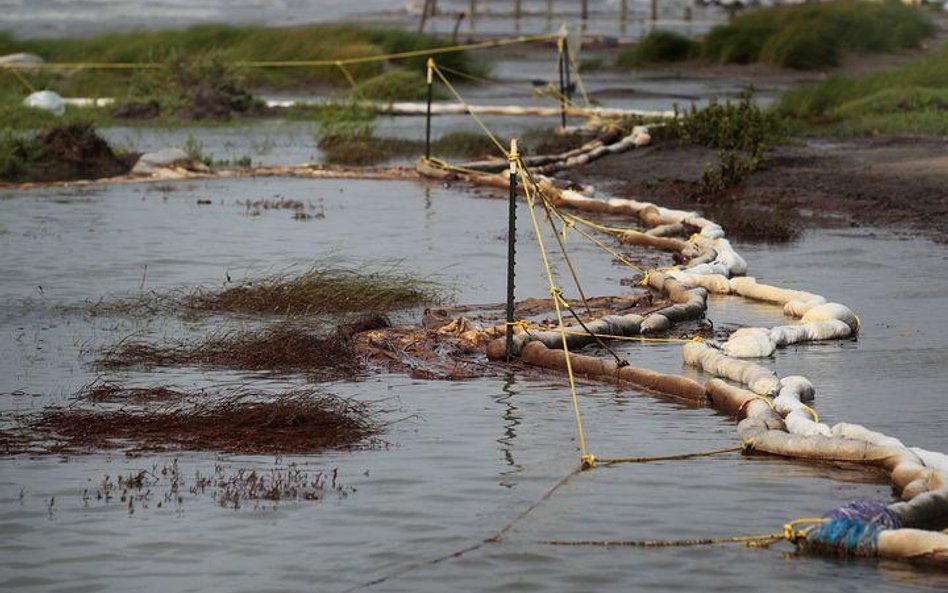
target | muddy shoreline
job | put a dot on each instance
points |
(900, 182)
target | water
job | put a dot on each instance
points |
(71, 18)
(473, 454)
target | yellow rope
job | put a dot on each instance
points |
(19, 76)
(345, 72)
(617, 460)
(451, 167)
(639, 338)
(579, 79)
(762, 540)
(460, 99)
(605, 247)
(747, 402)
(309, 63)
(816, 417)
(587, 460)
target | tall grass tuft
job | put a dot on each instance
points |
(813, 35)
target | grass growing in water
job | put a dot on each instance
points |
(242, 422)
(810, 36)
(318, 290)
(60, 152)
(283, 348)
(910, 99)
(659, 46)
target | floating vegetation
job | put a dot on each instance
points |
(243, 422)
(167, 486)
(301, 210)
(284, 347)
(114, 393)
(316, 291)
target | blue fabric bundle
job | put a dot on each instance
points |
(852, 530)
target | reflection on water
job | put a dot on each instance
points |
(441, 485)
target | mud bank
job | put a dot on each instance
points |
(897, 182)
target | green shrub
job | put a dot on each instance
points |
(740, 131)
(812, 35)
(191, 88)
(802, 45)
(659, 46)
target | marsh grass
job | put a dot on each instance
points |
(909, 99)
(233, 45)
(331, 290)
(814, 35)
(283, 348)
(659, 47)
(240, 422)
(318, 290)
(396, 85)
(64, 151)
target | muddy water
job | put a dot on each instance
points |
(470, 455)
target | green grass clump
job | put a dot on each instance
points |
(395, 85)
(813, 35)
(659, 46)
(910, 99)
(200, 87)
(234, 45)
(319, 290)
(60, 152)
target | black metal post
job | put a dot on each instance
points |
(428, 113)
(511, 244)
(559, 47)
(566, 65)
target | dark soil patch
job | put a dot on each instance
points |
(62, 153)
(284, 348)
(896, 181)
(299, 422)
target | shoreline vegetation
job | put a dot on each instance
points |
(198, 82)
(809, 36)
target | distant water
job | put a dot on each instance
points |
(74, 18)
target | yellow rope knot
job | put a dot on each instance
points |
(747, 402)
(558, 296)
(588, 461)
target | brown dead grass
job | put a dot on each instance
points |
(246, 423)
(285, 347)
